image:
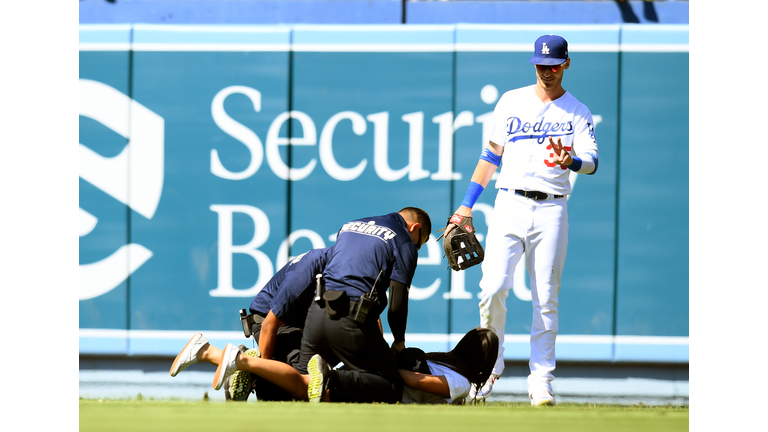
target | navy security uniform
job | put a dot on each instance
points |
(288, 294)
(363, 248)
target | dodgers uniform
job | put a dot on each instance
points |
(531, 215)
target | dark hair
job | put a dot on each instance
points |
(473, 357)
(421, 217)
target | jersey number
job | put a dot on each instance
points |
(551, 163)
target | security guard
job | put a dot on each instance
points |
(277, 320)
(371, 255)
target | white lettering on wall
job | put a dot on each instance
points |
(414, 170)
(227, 249)
(327, 159)
(434, 257)
(309, 138)
(447, 126)
(237, 131)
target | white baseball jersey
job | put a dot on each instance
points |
(522, 123)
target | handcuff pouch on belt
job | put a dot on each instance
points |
(336, 303)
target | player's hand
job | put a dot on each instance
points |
(559, 155)
(463, 211)
(398, 346)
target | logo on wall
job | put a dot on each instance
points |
(134, 177)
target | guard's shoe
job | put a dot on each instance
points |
(318, 378)
(240, 385)
(542, 398)
(485, 391)
(226, 365)
(188, 356)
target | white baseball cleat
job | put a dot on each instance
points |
(226, 365)
(485, 390)
(188, 356)
(542, 398)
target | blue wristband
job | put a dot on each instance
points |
(575, 165)
(473, 193)
(489, 156)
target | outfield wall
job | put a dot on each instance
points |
(192, 194)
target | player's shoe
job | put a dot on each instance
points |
(485, 391)
(542, 398)
(226, 365)
(188, 356)
(318, 378)
(240, 385)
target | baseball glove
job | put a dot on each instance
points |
(461, 246)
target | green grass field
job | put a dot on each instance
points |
(152, 415)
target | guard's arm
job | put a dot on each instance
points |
(268, 335)
(398, 311)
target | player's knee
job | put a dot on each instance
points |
(549, 319)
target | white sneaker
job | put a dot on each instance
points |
(318, 377)
(188, 356)
(485, 390)
(226, 365)
(542, 398)
(242, 383)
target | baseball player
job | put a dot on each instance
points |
(540, 133)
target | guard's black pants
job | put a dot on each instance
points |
(287, 348)
(370, 370)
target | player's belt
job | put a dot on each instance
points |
(535, 195)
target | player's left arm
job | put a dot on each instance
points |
(584, 148)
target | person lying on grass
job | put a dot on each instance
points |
(437, 377)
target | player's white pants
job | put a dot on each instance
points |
(540, 229)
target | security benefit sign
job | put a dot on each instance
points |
(216, 162)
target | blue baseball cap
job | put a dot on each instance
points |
(549, 50)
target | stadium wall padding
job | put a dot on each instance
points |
(192, 194)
